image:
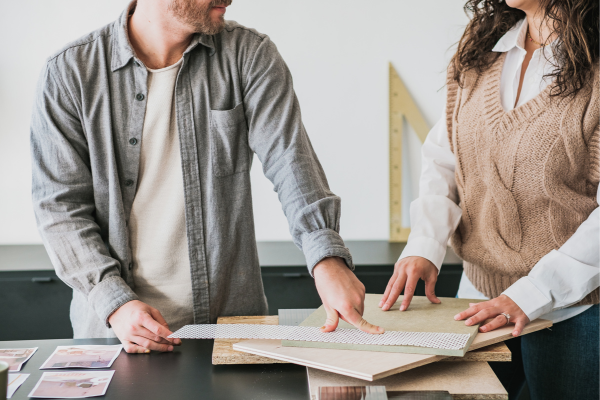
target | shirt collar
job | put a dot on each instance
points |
(123, 51)
(515, 37)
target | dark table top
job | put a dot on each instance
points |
(186, 373)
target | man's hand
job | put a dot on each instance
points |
(141, 328)
(343, 295)
(479, 312)
(407, 273)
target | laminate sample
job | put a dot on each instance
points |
(421, 316)
(370, 366)
(464, 381)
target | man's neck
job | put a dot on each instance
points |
(158, 39)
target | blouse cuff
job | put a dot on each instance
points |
(529, 298)
(425, 247)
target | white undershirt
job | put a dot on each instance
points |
(559, 279)
(161, 270)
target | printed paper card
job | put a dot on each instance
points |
(92, 356)
(16, 357)
(14, 381)
(72, 384)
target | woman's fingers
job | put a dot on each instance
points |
(482, 316)
(388, 289)
(409, 291)
(474, 309)
(519, 326)
(395, 292)
(496, 323)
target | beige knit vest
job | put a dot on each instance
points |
(526, 178)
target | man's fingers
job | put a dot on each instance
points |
(143, 332)
(430, 290)
(359, 322)
(130, 347)
(395, 292)
(159, 318)
(496, 323)
(150, 345)
(153, 326)
(332, 320)
(409, 291)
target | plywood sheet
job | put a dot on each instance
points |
(421, 316)
(370, 366)
(223, 352)
(464, 380)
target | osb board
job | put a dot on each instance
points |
(370, 365)
(464, 380)
(223, 352)
(421, 316)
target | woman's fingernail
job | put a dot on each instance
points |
(483, 329)
(170, 348)
(402, 307)
(147, 351)
(380, 329)
(380, 303)
(456, 316)
(468, 322)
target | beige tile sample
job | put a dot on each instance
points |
(464, 380)
(370, 365)
(421, 316)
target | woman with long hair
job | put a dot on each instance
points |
(511, 174)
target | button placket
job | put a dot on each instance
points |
(140, 75)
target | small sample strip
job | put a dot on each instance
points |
(14, 381)
(15, 358)
(352, 393)
(72, 384)
(452, 341)
(90, 356)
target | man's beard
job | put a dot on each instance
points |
(198, 17)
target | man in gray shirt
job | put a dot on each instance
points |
(142, 140)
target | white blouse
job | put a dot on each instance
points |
(562, 277)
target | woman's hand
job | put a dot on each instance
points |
(407, 273)
(479, 312)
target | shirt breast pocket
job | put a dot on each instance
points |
(229, 149)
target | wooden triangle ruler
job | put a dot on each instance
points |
(402, 108)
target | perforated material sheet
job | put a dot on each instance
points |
(451, 341)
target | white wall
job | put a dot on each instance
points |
(338, 52)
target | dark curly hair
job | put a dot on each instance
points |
(575, 22)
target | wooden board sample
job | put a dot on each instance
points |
(421, 316)
(223, 353)
(367, 365)
(465, 380)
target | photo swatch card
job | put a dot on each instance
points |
(92, 356)
(14, 381)
(16, 357)
(72, 384)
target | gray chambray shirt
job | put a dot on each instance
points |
(234, 97)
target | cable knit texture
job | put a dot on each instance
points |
(527, 178)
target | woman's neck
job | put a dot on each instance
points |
(540, 28)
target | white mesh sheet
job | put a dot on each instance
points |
(449, 341)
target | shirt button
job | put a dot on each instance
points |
(133, 141)
(129, 182)
(140, 97)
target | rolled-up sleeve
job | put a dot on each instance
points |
(63, 200)
(278, 137)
